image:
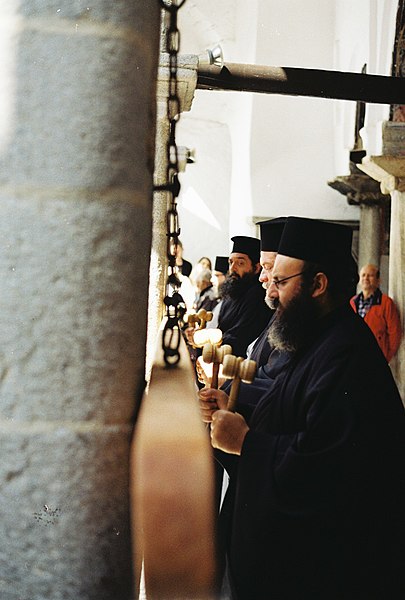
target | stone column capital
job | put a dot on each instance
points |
(359, 189)
(388, 168)
(187, 65)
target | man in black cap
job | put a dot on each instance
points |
(219, 272)
(268, 359)
(243, 314)
(270, 235)
(218, 275)
(314, 509)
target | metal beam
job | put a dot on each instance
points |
(302, 82)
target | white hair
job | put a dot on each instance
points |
(203, 275)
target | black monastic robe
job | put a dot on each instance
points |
(316, 502)
(243, 319)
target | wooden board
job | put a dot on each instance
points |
(172, 495)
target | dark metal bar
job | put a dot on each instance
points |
(302, 82)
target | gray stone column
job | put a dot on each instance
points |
(186, 83)
(369, 235)
(77, 128)
(389, 169)
(397, 276)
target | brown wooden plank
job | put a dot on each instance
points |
(172, 487)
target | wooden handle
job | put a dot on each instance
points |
(238, 369)
(233, 396)
(215, 371)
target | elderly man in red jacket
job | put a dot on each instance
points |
(378, 311)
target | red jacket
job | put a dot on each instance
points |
(384, 321)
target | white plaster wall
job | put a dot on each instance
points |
(215, 201)
(366, 38)
(204, 200)
(292, 136)
(266, 155)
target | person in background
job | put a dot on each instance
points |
(259, 350)
(219, 273)
(206, 297)
(269, 360)
(203, 263)
(184, 268)
(184, 265)
(270, 235)
(378, 311)
(243, 314)
(218, 278)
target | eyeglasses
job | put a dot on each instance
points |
(277, 282)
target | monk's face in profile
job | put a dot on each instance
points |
(267, 260)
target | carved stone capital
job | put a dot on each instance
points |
(186, 80)
(359, 189)
(388, 170)
(370, 199)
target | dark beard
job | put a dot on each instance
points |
(235, 287)
(219, 290)
(291, 326)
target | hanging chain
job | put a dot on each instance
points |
(175, 305)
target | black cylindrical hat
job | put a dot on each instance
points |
(221, 264)
(270, 234)
(316, 241)
(247, 245)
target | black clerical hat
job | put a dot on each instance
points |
(247, 245)
(221, 264)
(270, 234)
(316, 241)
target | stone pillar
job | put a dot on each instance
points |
(76, 152)
(369, 235)
(389, 170)
(186, 83)
(397, 276)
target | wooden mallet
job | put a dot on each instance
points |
(200, 318)
(212, 353)
(206, 336)
(238, 369)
